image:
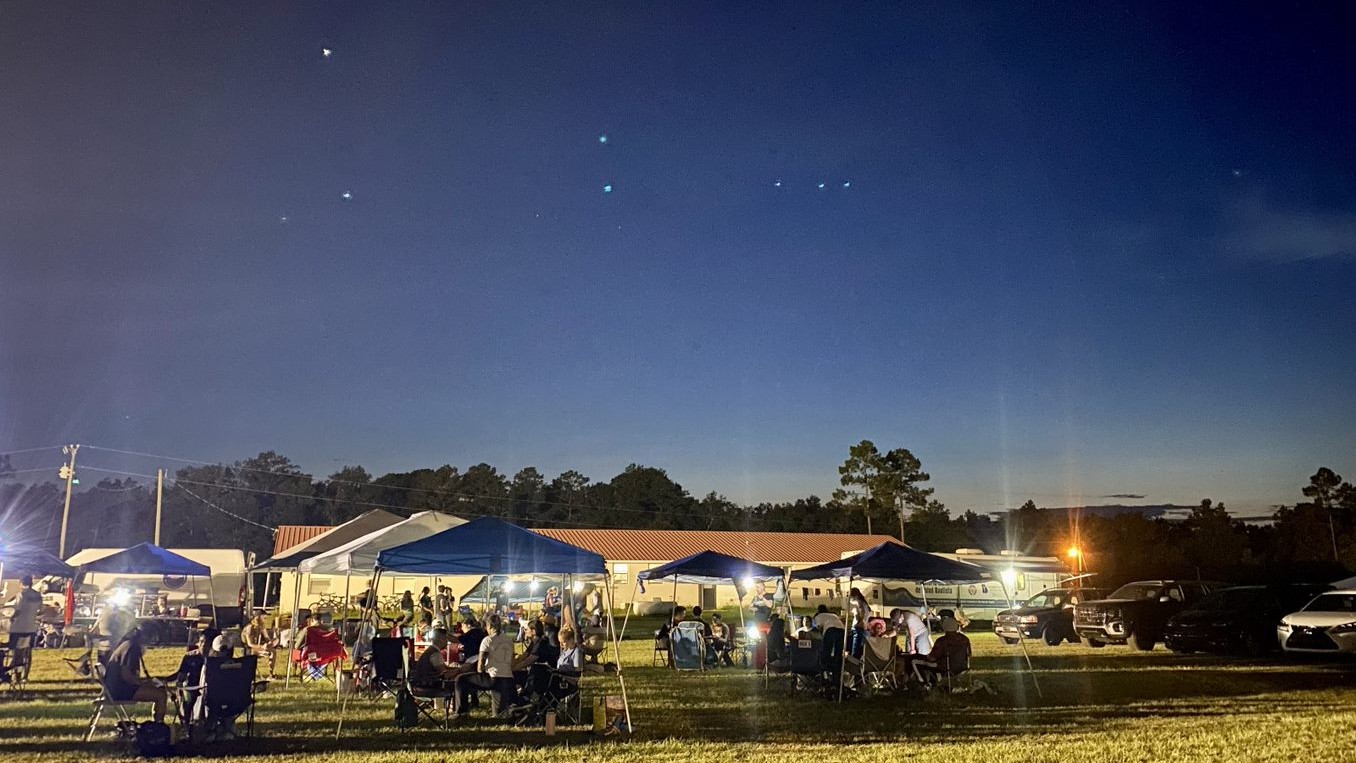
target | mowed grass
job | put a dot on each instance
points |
(1095, 705)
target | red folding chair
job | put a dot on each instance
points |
(321, 649)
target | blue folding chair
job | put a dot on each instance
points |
(689, 646)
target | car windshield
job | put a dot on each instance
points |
(1233, 598)
(1047, 599)
(1333, 602)
(1138, 591)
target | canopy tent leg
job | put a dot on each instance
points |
(296, 626)
(339, 671)
(743, 629)
(1030, 670)
(630, 607)
(621, 679)
(842, 667)
(364, 613)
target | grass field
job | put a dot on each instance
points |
(1105, 705)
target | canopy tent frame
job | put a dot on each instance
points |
(707, 568)
(521, 550)
(182, 566)
(877, 561)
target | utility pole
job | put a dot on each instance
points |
(67, 473)
(159, 496)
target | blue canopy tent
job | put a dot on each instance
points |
(150, 559)
(896, 561)
(33, 561)
(710, 568)
(489, 546)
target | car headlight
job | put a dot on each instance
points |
(1344, 628)
(1283, 626)
(1028, 619)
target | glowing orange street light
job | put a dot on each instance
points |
(1076, 554)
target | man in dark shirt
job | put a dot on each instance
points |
(471, 636)
(123, 679)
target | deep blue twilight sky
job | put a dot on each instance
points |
(1085, 250)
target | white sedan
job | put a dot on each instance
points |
(1326, 625)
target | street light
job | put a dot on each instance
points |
(1076, 554)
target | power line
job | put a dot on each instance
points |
(28, 450)
(233, 515)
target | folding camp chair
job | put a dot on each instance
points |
(948, 676)
(689, 646)
(661, 650)
(389, 664)
(321, 650)
(876, 668)
(122, 707)
(226, 693)
(15, 663)
(807, 667)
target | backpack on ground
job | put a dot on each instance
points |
(154, 740)
(406, 711)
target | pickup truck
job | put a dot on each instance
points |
(1137, 613)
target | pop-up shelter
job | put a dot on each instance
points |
(360, 554)
(711, 568)
(491, 547)
(898, 562)
(33, 561)
(149, 559)
(287, 559)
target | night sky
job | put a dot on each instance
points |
(1062, 251)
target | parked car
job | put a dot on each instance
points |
(1325, 625)
(1137, 613)
(1048, 615)
(1236, 620)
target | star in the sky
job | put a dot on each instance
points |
(821, 186)
(1238, 173)
(607, 188)
(602, 139)
(777, 183)
(282, 218)
(326, 52)
(346, 196)
(847, 183)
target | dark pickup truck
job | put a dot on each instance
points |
(1137, 613)
(1048, 615)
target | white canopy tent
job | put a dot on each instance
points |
(360, 555)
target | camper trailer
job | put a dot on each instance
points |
(1015, 578)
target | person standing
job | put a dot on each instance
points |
(23, 625)
(444, 605)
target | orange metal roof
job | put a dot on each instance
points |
(777, 548)
(290, 535)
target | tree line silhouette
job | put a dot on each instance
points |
(237, 505)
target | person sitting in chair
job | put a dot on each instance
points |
(123, 677)
(722, 643)
(697, 618)
(431, 671)
(950, 655)
(494, 670)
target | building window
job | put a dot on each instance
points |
(621, 574)
(804, 593)
(875, 593)
(817, 592)
(315, 586)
